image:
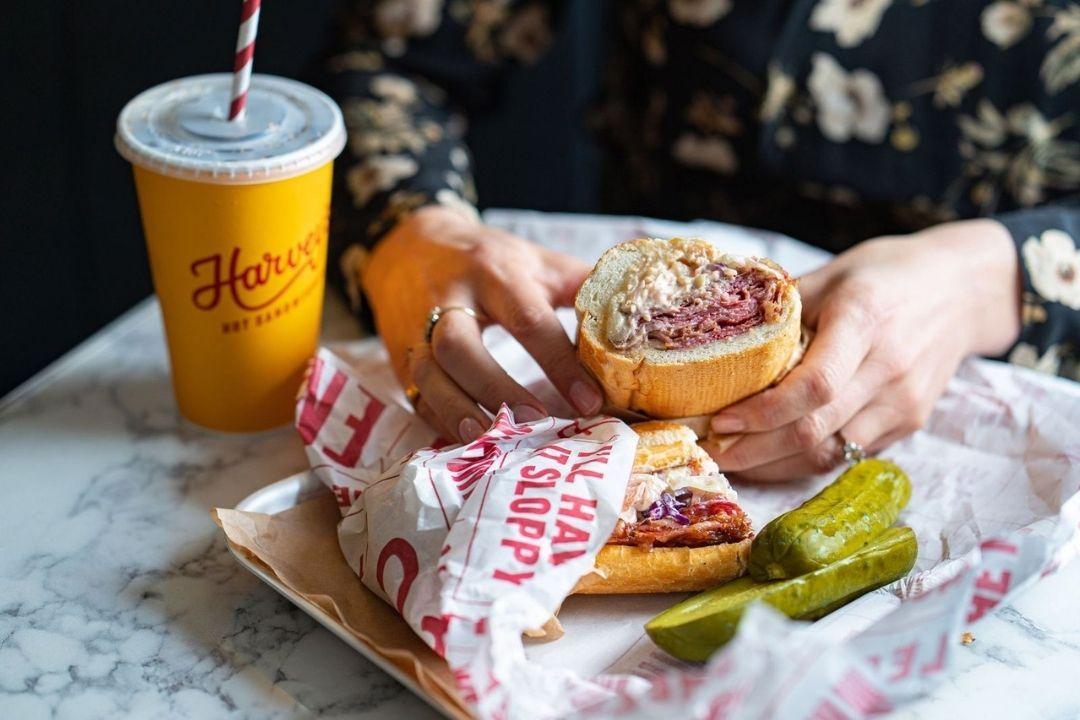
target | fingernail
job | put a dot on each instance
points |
(585, 398)
(727, 424)
(469, 430)
(527, 413)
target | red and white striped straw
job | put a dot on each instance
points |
(245, 57)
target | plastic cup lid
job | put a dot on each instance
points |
(180, 128)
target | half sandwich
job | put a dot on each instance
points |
(675, 328)
(681, 528)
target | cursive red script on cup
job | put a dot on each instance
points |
(244, 280)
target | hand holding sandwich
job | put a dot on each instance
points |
(893, 318)
(439, 257)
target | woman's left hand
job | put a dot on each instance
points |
(894, 317)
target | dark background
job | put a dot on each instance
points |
(72, 247)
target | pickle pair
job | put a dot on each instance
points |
(807, 562)
(695, 628)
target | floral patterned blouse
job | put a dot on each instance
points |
(831, 120)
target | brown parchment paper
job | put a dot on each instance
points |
(300, 547)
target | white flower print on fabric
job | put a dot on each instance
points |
(1005, 23)
(700, 13)
(449, 198)
(459, 158)
(852, 21)
(1019, 151)
(1053, 262)
(1026, 355)
(378, 174)
(1061, 66)
(381, 126)
(709, 153)
(407, 18)
(395, 89)
(952, 84)
(781, 88)
(848, 104)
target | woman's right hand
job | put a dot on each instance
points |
(438, 256)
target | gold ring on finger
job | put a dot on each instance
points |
(412, 394)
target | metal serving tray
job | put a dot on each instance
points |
(278, 497)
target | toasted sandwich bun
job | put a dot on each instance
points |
(673, 383)
(623, 569)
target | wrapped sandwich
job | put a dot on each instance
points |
(681, 528)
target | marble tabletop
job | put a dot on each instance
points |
(119, 598)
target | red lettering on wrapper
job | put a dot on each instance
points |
(938, 663)
(690, 681)
(361, 427)
(410, 565)
(553, 452)
(828, 711)
(724, 704)
(1001, 546)
(584, 427)
(560, 557)
(525, 553)
(503, 428)
(860, 694)
(577, 507)
(989, 590)
(567, 533)
(345, 496)
(467, 471)
(980, 605)
(314, 408)
(528, 527)
(438, 627)
(531, 472)
(659, 691)
(523, 485)
(904, 657)
(1000, 586)
(581, 469)
(532, 505)
(572, 506)
(468, 689)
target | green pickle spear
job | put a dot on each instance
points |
(845, 516)
(698, 626)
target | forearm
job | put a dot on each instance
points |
(404, 83)
(983, 263)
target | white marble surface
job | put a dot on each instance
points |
(118, 597)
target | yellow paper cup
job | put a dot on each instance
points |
(235, 217)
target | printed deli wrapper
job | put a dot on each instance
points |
(472, 544)
(475, 544)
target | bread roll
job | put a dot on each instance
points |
(624, 569)
(630, 569)
(681, 381)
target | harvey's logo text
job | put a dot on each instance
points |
(252, 283)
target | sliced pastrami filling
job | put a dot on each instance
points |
(723, 308)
